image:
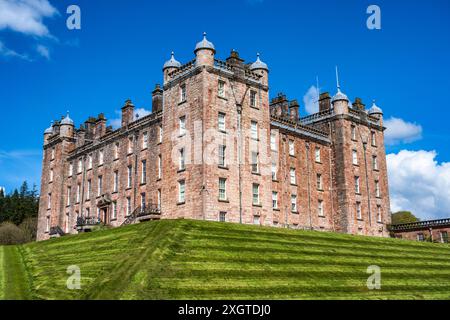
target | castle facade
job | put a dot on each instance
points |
(215, 147)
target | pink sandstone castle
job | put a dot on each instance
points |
(216, 148)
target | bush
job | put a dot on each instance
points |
(29, 227)
(11, 234)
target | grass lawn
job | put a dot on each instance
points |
(185, 259)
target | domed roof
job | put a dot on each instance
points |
(204, 44)
(375, 109)
(172, 63)
(259, 65)
(67, 120)
(49, 130)
(340, 96)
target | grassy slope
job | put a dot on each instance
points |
(206, 260)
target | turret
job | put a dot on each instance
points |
(340, 100)
(376, 112)
(261, 68)
(204, 52)
(48, 133)
(170, 66)
(66, 129)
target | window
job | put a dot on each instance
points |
(100, 186)
(254, 130)
(373, 138)
(379, 216)
(317, 155)
(116, 151)
(130, 175)
(116, 181)
(319, 182)
(70, 169)
(80, 165)
(293, 177)
(255, 161)
(222, 216)
(182, 126)
(420, 237)
(182, 162)
(293, 203)
(255, 193)
(221, 89)
(128, 210)
(47, 225)
(354, 133)
(114, 210)
(291, 148)
(143, 203)
(100, 157)
(320, 208)
(357, 188)
(274, 171)
(253, 99)
(78, 193)
(51, 175)
(49, 204)
(273, 141)
(159, 167)
(88, 212)
(144, 171)
(145, 140)
(53, 154)
(181, 191)
(67, 228)
(160, 134)
(89, 188)
(89, 166)
(69, 192)
(222, 150)
(375, 163)
(222, 189)
(130, 145)
(221, 121)
(358, 211)
(256, 220)
(159, 199)
(444, 236)
(377, 189)
(355, 157)
(182, 93)
(274, 200)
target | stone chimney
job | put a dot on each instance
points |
(280, 105)
(294, 110)
(358, 104)
(127, 113)
(100, 126)
(324, 102)
(157, 99)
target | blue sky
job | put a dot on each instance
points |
(46, 69)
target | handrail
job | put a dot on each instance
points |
(420, 224)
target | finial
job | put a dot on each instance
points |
(172, 54)
(67, 113)
(257, 56)
(337, 80)
(204, 35)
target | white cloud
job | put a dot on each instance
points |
(8, 53)
(43, 51)
(311, 101)
(400, 131)
(420, 184)
(26, 16)
(138, 113)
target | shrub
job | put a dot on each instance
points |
(11, 234)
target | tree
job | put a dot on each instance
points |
(403, 217)
(11, 234)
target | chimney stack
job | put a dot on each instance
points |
(324, 102)
(157, 99)
(293, 110)
(127, 113)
